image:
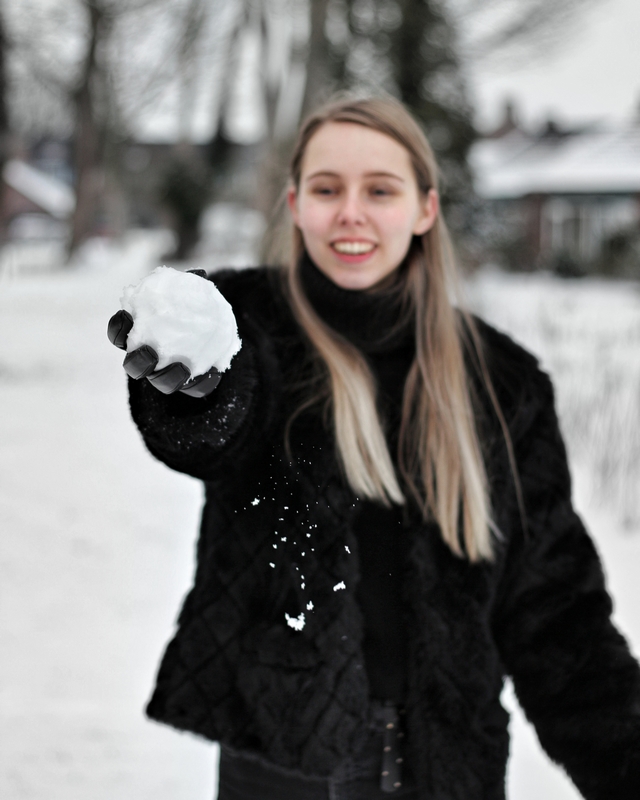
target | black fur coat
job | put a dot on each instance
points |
(276, 548)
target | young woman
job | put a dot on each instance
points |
(388, 529)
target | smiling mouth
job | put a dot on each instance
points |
(353, 248)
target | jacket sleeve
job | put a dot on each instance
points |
(202, 436)
(572, 670)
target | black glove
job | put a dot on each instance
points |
(141, 363)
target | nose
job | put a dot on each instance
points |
(351, 210)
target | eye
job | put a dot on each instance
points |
(324, 191)
(381, 191)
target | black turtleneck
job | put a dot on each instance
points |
(371, 320)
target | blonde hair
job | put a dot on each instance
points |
(439, 455)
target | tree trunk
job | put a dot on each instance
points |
(319, 79)
(4, 116)
(88, 168)
(311, 60)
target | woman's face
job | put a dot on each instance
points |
(358, 204)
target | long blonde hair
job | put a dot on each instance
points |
(439, 457)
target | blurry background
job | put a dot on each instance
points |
(139, 132)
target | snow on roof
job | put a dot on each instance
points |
(51, 194)
(594, 162)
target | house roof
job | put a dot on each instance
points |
(47, 192)
(591, 162)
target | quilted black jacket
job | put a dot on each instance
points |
(276, 550)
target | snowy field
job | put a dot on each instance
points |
(97, 537)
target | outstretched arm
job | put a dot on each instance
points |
(199, 429)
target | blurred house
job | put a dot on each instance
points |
(34, 204)
(35, 213)
(568, 200)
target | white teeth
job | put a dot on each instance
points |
(353, 248)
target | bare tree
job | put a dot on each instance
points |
(195, 66)
(279, 29)
(98, 117)
(66, 81)
(492, 29)
(71, 78)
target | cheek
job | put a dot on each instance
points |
(314, 220)
(397, 225)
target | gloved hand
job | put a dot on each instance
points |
(141, 363)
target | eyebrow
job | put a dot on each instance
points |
(378, 174)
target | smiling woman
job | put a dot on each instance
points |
(388, 529)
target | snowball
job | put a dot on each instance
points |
(184, 318)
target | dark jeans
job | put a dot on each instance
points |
(244, 777)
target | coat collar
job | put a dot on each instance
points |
(374, 321)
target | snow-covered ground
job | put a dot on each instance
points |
(97, 537)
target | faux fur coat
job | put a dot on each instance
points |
(267, 656)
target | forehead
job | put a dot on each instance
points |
(351, 149)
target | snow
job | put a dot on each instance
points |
(97, 542)
(98, 538)
(183, 317)
(297, 623)
(47, 192)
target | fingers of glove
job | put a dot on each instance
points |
(203, 385)
(139, 363)
(171, 378)
(118, 328)
(200, 272)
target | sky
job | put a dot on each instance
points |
(593, 75)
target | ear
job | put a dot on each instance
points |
(292, 202)
(429, 210)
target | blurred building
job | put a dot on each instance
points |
(35, 214)
(34, 204)
(568, 200)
